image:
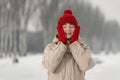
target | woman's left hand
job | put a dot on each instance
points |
(75, 35)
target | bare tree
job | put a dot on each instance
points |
(49, 11)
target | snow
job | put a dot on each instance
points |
(30, 68)
(109, 69)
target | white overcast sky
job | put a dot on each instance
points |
(110, 8)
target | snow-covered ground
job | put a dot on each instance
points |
(30, 68)
(109, 69)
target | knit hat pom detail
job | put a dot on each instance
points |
(67, 17)
(68, 12)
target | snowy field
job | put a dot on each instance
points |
(30, 68)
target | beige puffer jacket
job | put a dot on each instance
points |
(67, 62)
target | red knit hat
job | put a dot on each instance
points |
(67, 17)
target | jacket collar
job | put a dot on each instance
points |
(55, 39)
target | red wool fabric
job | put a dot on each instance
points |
(61, 35)
(75, 35)
(67, 17)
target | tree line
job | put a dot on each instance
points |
(16, 15)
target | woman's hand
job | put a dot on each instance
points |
(61, 35)
(75, 35)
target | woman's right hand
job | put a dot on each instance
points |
(61, 35)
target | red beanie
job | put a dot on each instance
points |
(67, 17)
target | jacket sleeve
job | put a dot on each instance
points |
(53, 55)
(82, 55)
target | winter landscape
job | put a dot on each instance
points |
(27, 26)
(30, 68)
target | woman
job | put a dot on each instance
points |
(67, 57)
